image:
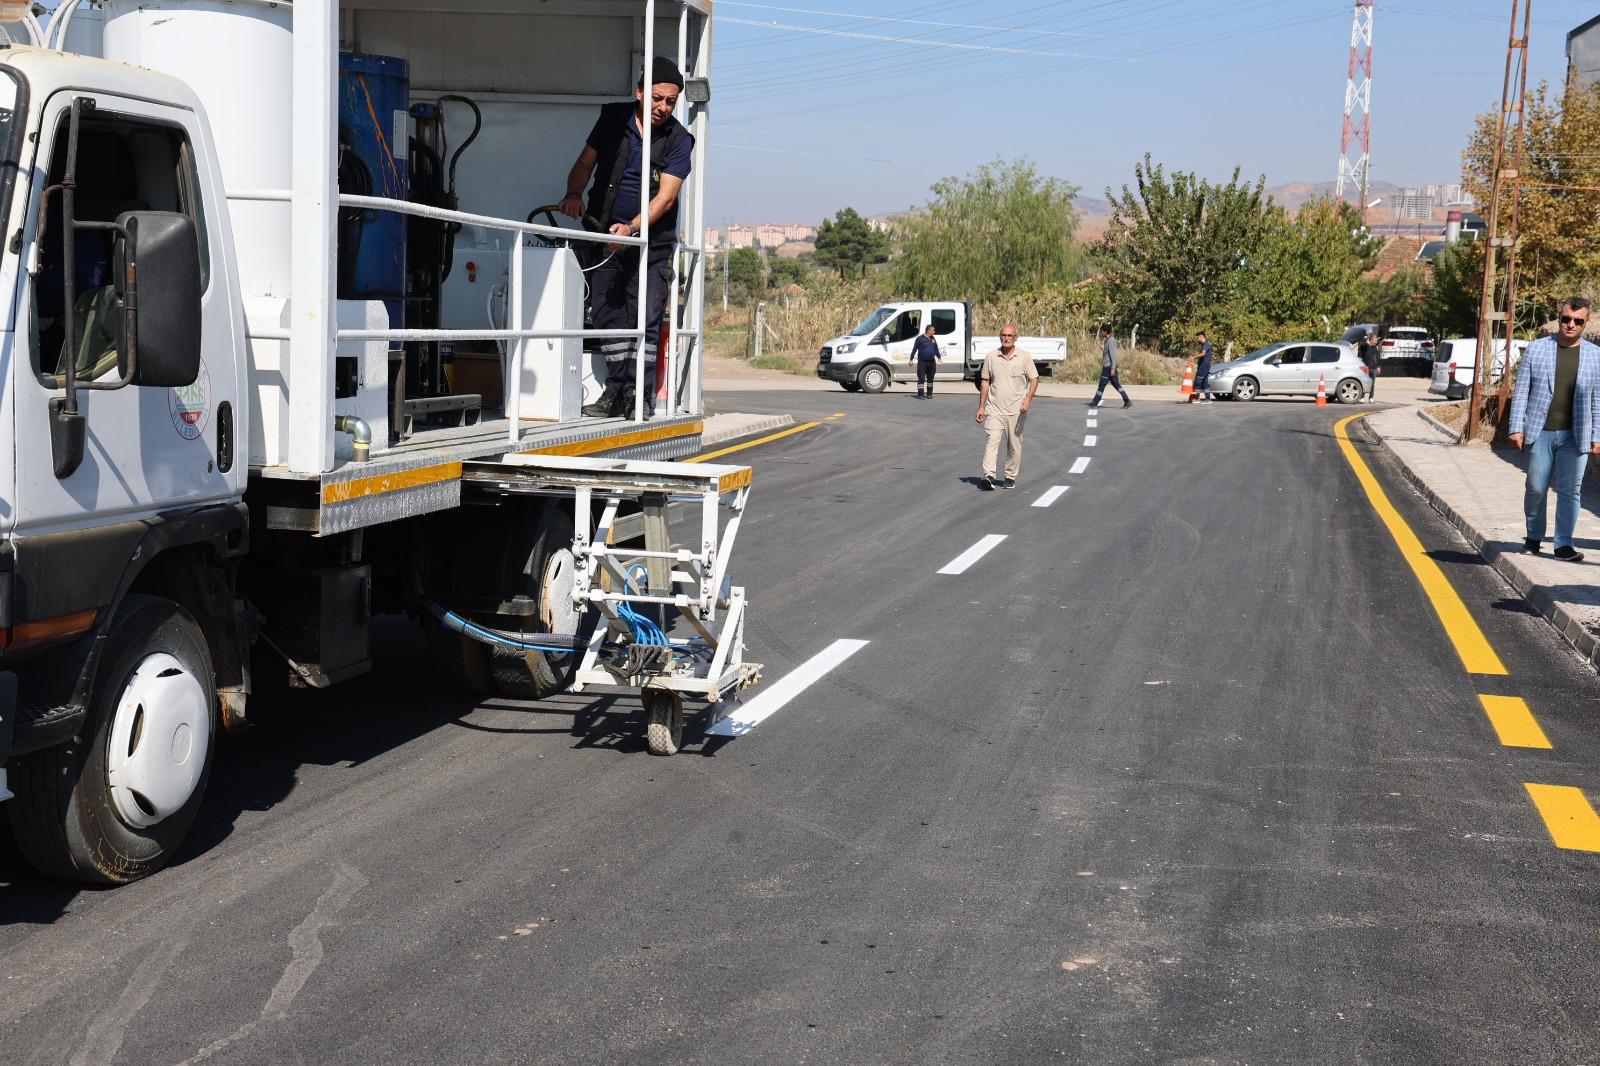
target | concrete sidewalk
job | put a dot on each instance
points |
(1479, 491)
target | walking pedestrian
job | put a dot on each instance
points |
(925, 350)
(1555, 414)
(1108, 369)
(614, 157)
(1368, 351)
(1202, 371)
(1005, 391)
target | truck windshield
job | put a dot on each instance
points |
(873, 321)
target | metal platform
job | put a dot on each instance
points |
(424, 475)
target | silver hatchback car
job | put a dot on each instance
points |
(1293, 369)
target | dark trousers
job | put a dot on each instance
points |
(925, 371)
(613, 304)
(1202, 374)
(1115, 380)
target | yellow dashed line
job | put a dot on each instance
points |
(1470, 643)
(1566, 812)
(1513, 722)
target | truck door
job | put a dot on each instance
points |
(149, 449)
(948, 330)
(893, 342)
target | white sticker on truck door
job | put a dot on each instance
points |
(191, 405)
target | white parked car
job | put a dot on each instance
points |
(1406, 347)
(1456, 360)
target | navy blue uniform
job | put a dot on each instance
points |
(926, 352)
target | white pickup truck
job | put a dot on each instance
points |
(878, 351)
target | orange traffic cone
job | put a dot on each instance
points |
(1188, 381)
(1322, 390)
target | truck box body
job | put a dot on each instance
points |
(218, 461)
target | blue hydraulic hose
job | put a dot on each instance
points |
(452, 621)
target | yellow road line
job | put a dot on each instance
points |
(791, 431)
(1513, 722)
(1566, 812)
(1470, 643)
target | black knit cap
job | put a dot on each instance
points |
(664, 72)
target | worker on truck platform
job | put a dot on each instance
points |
(613, 156)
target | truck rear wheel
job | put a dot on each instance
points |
(115, 803)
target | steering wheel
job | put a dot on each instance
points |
(549, 211)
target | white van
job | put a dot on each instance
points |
(877, 353)
(1456, 360)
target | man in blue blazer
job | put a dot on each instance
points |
(1555, 414)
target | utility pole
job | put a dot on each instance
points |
(727, 260)
(1498, 302)
(1357, 132)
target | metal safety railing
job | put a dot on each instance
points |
(515, 338)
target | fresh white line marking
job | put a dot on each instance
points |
(961, 562)
(1089, 441)
(772, 700)
(1093, 424)
(1051, 496)
(1079, 465)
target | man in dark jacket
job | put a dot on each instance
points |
(925, 350)
(614, 156)
(1108, 369)
(1368, 351)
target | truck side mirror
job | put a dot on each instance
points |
(157, 270)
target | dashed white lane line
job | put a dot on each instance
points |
(1090, 440)
(1079, 465)
(1051, 496)
(1093, 424)
(961, 562)
(773, 699)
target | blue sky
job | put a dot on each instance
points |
(895, 95)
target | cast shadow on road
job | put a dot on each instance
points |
(1450, 555)
(395, 705)
(1514, 605)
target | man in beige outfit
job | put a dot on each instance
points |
(1005, 390)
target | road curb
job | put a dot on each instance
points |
(723, 428)
(1571, 627)
(1453, 435)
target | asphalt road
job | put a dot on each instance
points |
(1184, 768)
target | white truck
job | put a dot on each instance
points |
(877, 352)
(252, 256)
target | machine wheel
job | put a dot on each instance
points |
(115, 804)
(663, 721)
(874, 377)
(1246, 389)
(533, 675)
(1350, 391)
(850, 386)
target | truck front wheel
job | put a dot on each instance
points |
(114, 804)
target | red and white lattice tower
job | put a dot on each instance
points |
(1357, 135)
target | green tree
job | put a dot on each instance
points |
(1559, 197)
(1308, 267)
(746, 274)
(1001, 229)
(1454, 291)
(782, 272)
(1176, 250)
(847, 243)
